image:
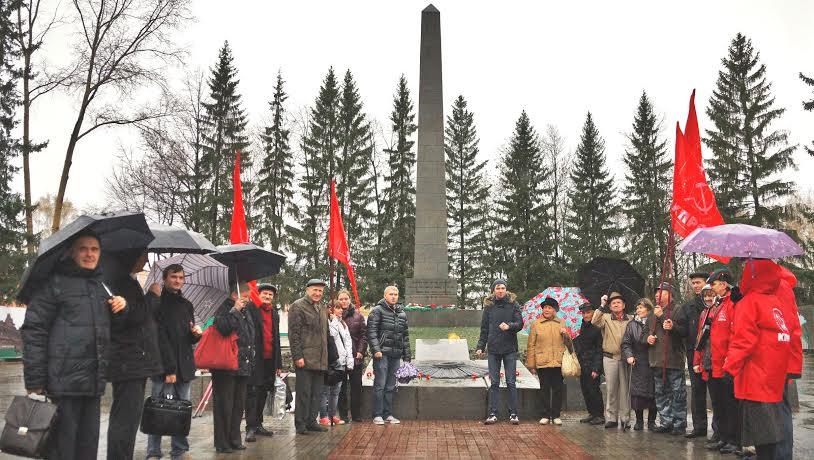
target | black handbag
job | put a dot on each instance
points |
(28, 427)
(166, 415)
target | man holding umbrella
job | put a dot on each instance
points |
(611, 319)
(267, 357)
(66, 339)
(308, 338)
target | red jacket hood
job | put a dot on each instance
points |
(762, 276)
(787, 276)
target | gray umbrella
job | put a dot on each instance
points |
(169, 239)
(206, 282)
(116, 232)
(248, 261)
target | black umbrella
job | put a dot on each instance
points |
(116, 232)
(169, 239)
(603, 275)
(249, 262)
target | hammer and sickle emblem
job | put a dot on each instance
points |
(702, 192)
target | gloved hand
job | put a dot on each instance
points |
(735, 294)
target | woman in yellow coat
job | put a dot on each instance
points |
(544, 355)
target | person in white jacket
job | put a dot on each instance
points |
(340, 334)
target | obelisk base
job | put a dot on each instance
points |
(423, 291)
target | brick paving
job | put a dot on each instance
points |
(455, 440)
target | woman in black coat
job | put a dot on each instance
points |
(229, 387)
(635, 351)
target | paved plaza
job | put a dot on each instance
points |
(453, 439)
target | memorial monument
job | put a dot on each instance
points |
(431, 283)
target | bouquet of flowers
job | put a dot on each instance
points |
(406, 372)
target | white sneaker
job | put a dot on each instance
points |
(557, 421)
(393, 420)
(378, 421)
(544, 421)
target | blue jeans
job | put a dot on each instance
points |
(384, 384)
(671, 397)
(509, 361)
(180, 444)
(330, 397)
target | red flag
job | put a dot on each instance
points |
(338, 242)
(239, 232)
(693, 203)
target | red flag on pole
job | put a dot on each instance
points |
(338, 242)
(693, 204)
(239, 232)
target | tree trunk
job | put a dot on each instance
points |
(29, 211)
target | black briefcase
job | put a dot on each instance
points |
(28, 427)
(166, 416)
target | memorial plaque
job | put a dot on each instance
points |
(441, 350)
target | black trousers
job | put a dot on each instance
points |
(352, 380)
(257, 395)
(698, 389)
(551, 383)
(228, 402)
(76, 435)
(725, 409)
(308, 397)
(125, 416)
(592, 394)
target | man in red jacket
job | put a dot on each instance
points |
(719, 320)
(758, 356)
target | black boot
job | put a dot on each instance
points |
(250, 435)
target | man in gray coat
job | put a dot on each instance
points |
(308, 338)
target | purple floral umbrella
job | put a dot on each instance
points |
(741, 240)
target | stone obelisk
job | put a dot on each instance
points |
(431, 283)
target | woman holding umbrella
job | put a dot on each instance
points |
(229, 387)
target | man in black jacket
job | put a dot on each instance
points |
(177, 333)
(500, 323)
(134, 351)
(267, 360)
(588, 346)
(66, 340)
(689, 314)
(389, 339)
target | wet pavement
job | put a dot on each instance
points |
(453, 439)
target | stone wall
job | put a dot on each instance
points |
(444, 318)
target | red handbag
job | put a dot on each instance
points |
(214, 351)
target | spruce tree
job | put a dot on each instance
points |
(321, 162)
(748, 156)
(809, 106)
(355, 182)
(225, 124)
(524, 231)
(275, 184)
(399, 192)
(12, 228)
(592, 223)
(647, 190)
(467, 190)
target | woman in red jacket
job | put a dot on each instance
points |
(758, 356)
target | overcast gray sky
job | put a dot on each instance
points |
(556, 60)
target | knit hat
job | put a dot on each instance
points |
(721, 274)
(496, 282)
(552, 302)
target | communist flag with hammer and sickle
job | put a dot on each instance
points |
(693, 204)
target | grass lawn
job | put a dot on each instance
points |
(471, 334)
